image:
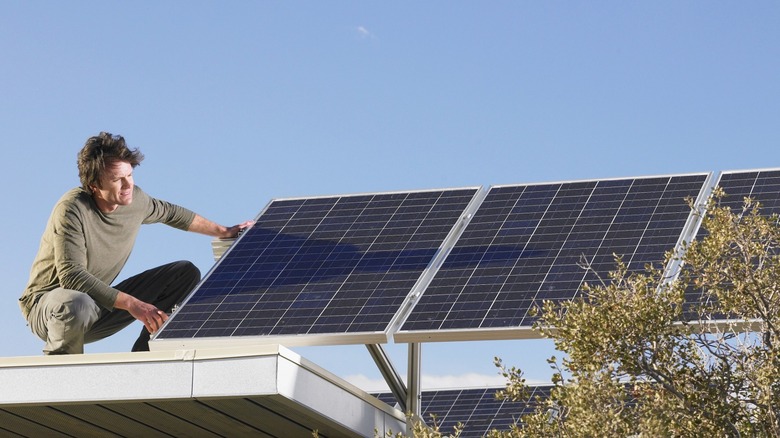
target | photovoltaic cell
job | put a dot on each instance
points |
(321, 265)
(525, 244)
(760, 185)
(476, 408)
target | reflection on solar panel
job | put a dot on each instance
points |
(321, 265)
(524, 243)
(477, 408)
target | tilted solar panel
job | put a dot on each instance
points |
(325, 265)
(524, 245)
(476, 408)
(760, 185)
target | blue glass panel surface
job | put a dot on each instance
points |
(525, 244)
(760, 185)
(321, 265)
(476, 408)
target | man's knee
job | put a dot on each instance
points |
(61, 317)
(188, 273)
(185, 276)
(189, 269)
(73, 306)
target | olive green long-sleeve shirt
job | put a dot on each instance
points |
(84, 249)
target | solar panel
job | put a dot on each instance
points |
(324, 265)
(524, 245)
(476, 408)
(760, 185)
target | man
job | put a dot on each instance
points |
(68, 300)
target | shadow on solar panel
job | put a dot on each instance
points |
(338, 265)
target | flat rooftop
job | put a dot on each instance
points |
(266, 391)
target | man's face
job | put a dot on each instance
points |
(115, 187)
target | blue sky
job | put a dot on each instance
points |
(237, 103)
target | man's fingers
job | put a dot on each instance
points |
(244, 226)
(155, 320)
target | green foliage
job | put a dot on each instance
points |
(641, 362)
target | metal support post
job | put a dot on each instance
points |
(391, 376)
(414, 396)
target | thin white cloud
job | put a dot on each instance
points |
(363, 32)
(469, 380)
(367, 384)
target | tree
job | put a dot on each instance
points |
(693, 355)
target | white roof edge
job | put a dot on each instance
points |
(271, 375)
(159, 358)
(144, 357)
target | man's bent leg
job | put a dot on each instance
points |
(61, 317)
(164, 287)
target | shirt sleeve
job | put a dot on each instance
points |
(166, 212)
(70, 257)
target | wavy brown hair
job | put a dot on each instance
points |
(100, 151)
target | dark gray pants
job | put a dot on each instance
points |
(67, 319)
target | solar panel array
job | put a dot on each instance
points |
(347, 264)
(476, 408)
(525, 244)
(402, 265)
(341, 264)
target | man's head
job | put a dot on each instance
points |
(106, 170)
(100, 152)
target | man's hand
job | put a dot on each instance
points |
(204, 226)
(152, 317)
(235, 229)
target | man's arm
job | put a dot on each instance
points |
(204, 226)
(152, 317)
